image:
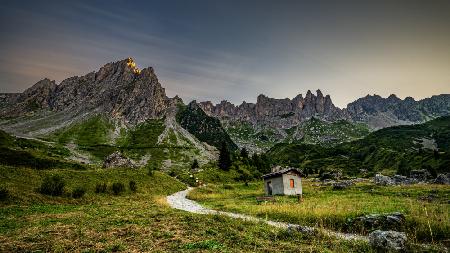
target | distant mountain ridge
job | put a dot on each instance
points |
(279, 113)
(130, 96)
(380, 112)
(375, 111)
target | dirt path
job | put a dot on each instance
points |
(179, 201)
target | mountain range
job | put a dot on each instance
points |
(126, 102)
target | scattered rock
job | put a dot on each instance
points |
(399, 179)
(442, 179)
(116, 159)
(342, 184)
(382, 180)
(332, 175)
(395, 180)
(391, 221)
(301, 229)
(420, 175)
(429, 198)
(388, 240)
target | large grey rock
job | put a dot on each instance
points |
(442, 179)
(116, 160)
(388, 240)
(383, 180)
(420, 175)
(390, 221)
(380, 179)
(399, 180)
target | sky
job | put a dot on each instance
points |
(234, 50)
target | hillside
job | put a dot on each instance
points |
(312, 131)
(22, 152)
(159, 142)
(117, 108)
(205, 128)
(395, 149)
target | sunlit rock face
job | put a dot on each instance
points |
(118, 88)
(281, 113)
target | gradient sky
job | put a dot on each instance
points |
(235, 50)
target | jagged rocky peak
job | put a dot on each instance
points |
(119, 89)
(381, 112)
(277, 112)
(40, 93)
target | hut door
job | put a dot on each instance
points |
(269, 188)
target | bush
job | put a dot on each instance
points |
(151, 169)
(118, 188)
(78, 192)
(101, 188)
(133, 186)
(194, 165)
(52, 185)
(4, 194)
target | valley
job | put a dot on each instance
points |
(87, 164)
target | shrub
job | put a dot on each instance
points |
(78, 192)
(228, 187)
(101, 188)
(118, 188)
(194, 165)
(52, 185)
(133, 186)
(151, 169)
(4, 193)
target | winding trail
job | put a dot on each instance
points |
(179, 201)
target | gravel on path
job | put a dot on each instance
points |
(180, 201)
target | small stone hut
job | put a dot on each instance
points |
(286, 181)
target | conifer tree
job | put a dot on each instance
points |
(224, 157)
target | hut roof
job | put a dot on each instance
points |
(280, 172)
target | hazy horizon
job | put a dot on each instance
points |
(214, 50)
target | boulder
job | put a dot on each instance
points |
(301, 229)
(388, 240)
(399, 179)
(420, 175)
(383, 180)
(394, 180)
(390, 221)
(116, 159)
(442, 179)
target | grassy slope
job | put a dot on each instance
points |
(139, 221)
(25, 152)
(316, 131)
(205, 128)
(324, 207)
(94, 137)
(245, 135)
(385, 150)
(313, 131)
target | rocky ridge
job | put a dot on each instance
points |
(279, 113)
(118, 89)
(380, 112)
(375, 111)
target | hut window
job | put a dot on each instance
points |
(291, 182)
